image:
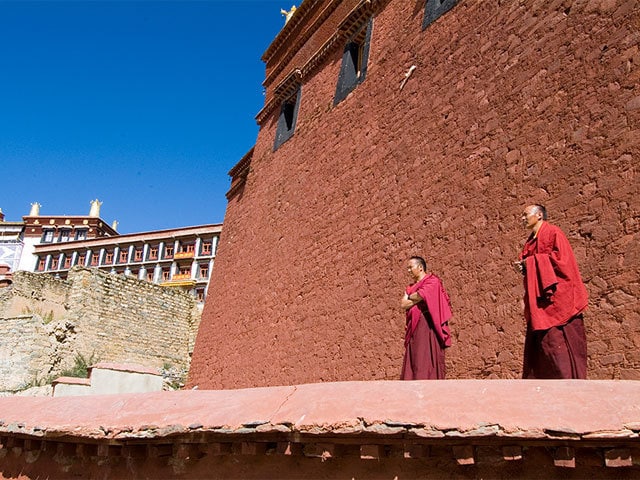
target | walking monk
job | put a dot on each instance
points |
(428, 311)
(554, 298)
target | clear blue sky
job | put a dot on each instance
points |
(145, 105)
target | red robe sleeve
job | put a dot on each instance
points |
(554, 291)
(432, 291)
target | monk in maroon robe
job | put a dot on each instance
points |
(428, 310)
(554, 298)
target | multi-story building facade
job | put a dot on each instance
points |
(11, 243)
(180, 257)
(59, 229)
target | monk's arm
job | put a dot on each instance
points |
(408, 301)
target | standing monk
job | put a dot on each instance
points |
(428, 310)
(554, 298)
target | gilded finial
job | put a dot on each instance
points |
(95, 208)
(288, 14)
(35, 209)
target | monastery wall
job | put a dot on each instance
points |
(510, 103)
(46, 322)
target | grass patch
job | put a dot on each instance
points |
(80, 366)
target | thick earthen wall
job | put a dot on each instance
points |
(510, 103)
(46, 322)
(24, 344)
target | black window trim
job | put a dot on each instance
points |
(434, 9)
(349, 77)
(287, 126)
(46, 231)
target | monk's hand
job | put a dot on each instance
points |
(405, 302)
(519, 267)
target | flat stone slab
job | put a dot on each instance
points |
(534, 409)
(125, 367)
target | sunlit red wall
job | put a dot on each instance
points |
(510, 103)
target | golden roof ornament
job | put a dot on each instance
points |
(35, 209)
(95, 208)
(288, 14)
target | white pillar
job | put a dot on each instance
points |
(214, 245)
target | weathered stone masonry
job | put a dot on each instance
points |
(510, 103)
(45, 322)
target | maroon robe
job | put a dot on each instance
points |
(427, 331)
(555, 296)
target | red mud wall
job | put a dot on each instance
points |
(511, 103)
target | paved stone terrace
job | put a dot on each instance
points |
(457, 421)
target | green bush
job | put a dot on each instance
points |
(80, 366)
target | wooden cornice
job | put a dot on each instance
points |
(299, 41)
(354, 20)
(239, 174)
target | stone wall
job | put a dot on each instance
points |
(510, 103)
(45, 322)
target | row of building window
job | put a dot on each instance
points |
(353, 69)
(64, 235)
(68, 262)
(186, 247)
(184, 251)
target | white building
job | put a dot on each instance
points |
(180, 257)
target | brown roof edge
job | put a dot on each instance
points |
(242, 163)
(298, 17)
(362, 9)
(239, 174)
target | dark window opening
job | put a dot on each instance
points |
(287, 119)
(186, 247)
(206, 248)
(47, 236)
(287, 113)
(355, 58)
(200, 295)
(204, 271)
(81, 234)
(434, 9)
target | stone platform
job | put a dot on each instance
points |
(460, 428)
